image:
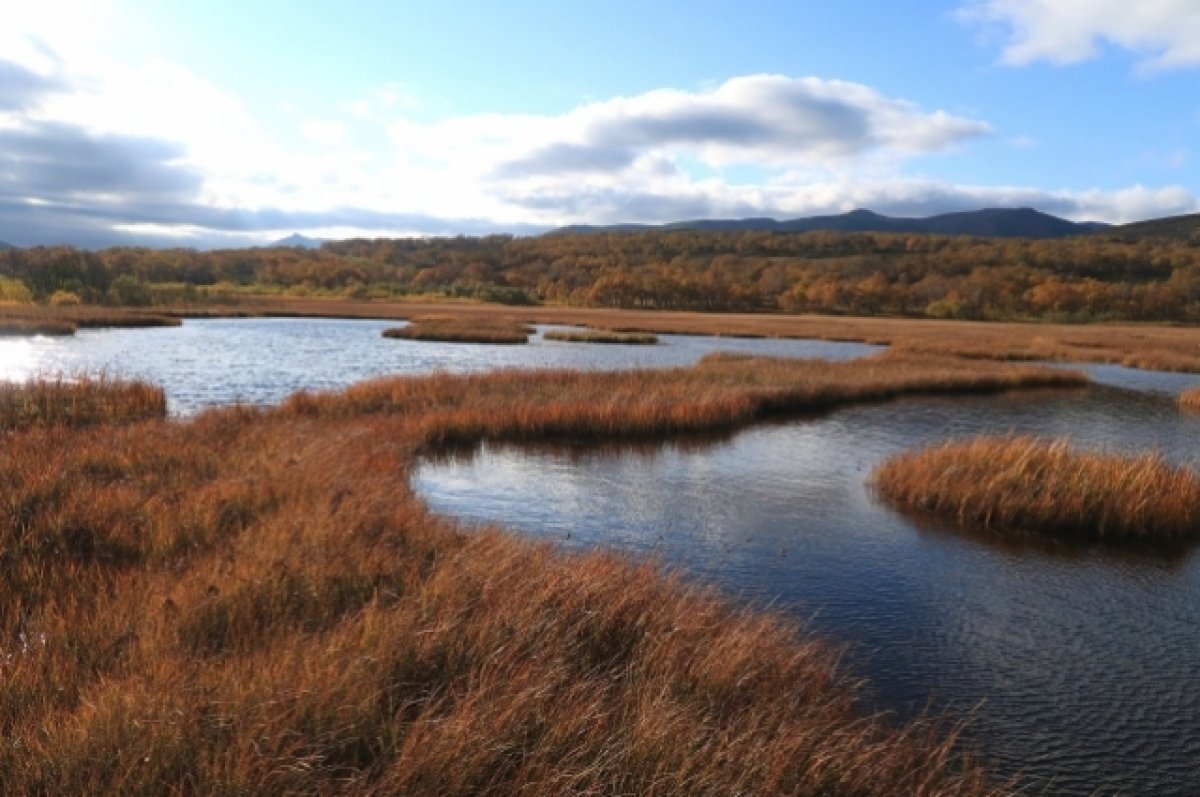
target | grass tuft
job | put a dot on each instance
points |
(86, 401)
(1190, 399)
(450, 329)
(1027, 485)
(602, 336)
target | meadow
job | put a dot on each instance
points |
(254, 601)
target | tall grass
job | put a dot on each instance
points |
(602, 336)
(255, 602)
(1033, 486)
(1190, 399)
(453, 329)
(85, 401)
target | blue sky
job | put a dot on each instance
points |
(229, 123)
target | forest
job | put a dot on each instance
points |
(1080, 279)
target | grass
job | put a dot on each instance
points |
(602, 336)
(85, 401)
(1027, 485)
(254, 601)
(1190, 399)
(455, 329)
(32, 319)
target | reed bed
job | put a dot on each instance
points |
(255, 602)
(1026, 485)
(85, 401)
(25, 319)
(602, 336)
(1190, 399)
(452, 329)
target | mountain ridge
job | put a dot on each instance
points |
(986, 222)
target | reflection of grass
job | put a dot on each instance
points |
(601, 336)
(452, 329)
(256, 602)
(79, 402)
(1190, 399)
(1028, 485)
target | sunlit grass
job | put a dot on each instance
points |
(1028, 485)
(452, 329)
(74, 402)
(255, 602)
(1190, 399)
(602, 336)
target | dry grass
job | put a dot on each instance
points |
(454, 329)
(85, 401)
(602, 336)
(1027, 485)
(255, 602)
(1190, 399)
(32, 319)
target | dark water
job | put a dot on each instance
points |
(262, 361)
(1079, 667)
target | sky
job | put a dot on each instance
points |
(237, 122)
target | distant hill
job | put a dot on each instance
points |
(302, 241)
(6, 246)
(1179, 228)
(989, 222)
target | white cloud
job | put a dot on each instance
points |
(1166, 33)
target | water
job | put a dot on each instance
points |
(209, 362)
(1079, 666)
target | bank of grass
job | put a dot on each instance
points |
(1027, 485)
(32, 319)
(456, 329)
(1190, 399)
(255, 602)
(83, 401)
(611, 336)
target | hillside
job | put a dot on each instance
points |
(986, 223)
(1178, 228)
(296, 239)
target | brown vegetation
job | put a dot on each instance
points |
(85, 401)
(602, 336)
(1190, 399)
(1033, 486)
(255, 602)
(458, 329)
(65, 319)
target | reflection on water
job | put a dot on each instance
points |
(207, 362)
(1078, 665)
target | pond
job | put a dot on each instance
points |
(209, 362)
(1078, 668)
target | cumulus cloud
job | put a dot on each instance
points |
(766, 119)
(1165, 32)
(21, 87)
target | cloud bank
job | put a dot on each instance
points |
(1165, 33)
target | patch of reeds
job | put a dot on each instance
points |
(29, 319)
(602, 336)
(11, 327)
(1027, 485)
(454, 329)
(256, 602)
(1190, 399)
(85, 401)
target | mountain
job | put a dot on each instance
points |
(1181, 228)
(302, 241)
(988, 223)
(6, 246)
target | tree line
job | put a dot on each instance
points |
(1085, 278)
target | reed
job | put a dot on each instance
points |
(1190, 399)
(12, 327)
(1026, 485)
(85, 401)
(602, 336)
(254, 601)
(452, 329)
